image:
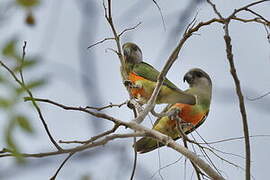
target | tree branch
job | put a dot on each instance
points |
(227, 39)
(140, 130)
(60, 167)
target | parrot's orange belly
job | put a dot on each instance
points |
(188, 115)
(136, 92)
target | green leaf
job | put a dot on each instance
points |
(9, 139)
(2, 79)
(24, 123)
(15, 150)
(85, 177)
(5, 103)
(27, 63)
(9, 48)
(28, 3)
(31, 85)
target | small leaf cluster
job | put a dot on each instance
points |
(11, 95)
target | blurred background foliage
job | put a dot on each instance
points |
(11, 97)
(58, 34)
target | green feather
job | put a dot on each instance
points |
(150, 73)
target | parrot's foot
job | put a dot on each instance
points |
(134, 104)
(129, 84)
(185, 125)
(174, 114)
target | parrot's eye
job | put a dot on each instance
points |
(135, 48)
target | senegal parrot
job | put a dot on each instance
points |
(193, 116)
(142, 79)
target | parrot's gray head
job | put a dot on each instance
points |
(197, 77)
(132, 53)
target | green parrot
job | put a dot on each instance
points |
(142, 79)
(192, 116)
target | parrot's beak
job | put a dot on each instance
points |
(188, 77)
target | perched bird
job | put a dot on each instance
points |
(192, 116)
(142, 79)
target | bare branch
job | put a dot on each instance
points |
(259, 97)
(215, 9)
(167, 166)
(256, 14)
(62, 164)
(95, 137)
(135, 159)
(135, 112)
(80, 148)
(257, 20)
(108, 16)
(157, 135)
(160, 12)
(105, 107)
(129, 29)
(22, 62)
(100, 42)
(132, 125)
(246, 7)
(174, 55)
(185, 139)
(230, 58)
(232, 139)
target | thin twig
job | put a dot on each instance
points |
(34, 104)
(22, 62)
(168, 165)
(135, 112)
(108, 106)
(215, 9)
(232, 139)
(100, 42)
(94, 138)
(135, 159)
(259, 97)
(159, 164)
(129, 29)
(160, 12)
(80, 148)
(256, 14)
(256, 20)
(172, 58)
(142, 131)
(60, 167)
(185, 139)
(246, 7)
(233, 71)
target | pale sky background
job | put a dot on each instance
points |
(60, 38)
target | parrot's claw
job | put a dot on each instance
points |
(185, 125)
(134, 104)
(174, 114)
(129, 84)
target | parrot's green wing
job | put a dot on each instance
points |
(150, 73)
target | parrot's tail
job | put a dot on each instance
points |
(146, 144)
